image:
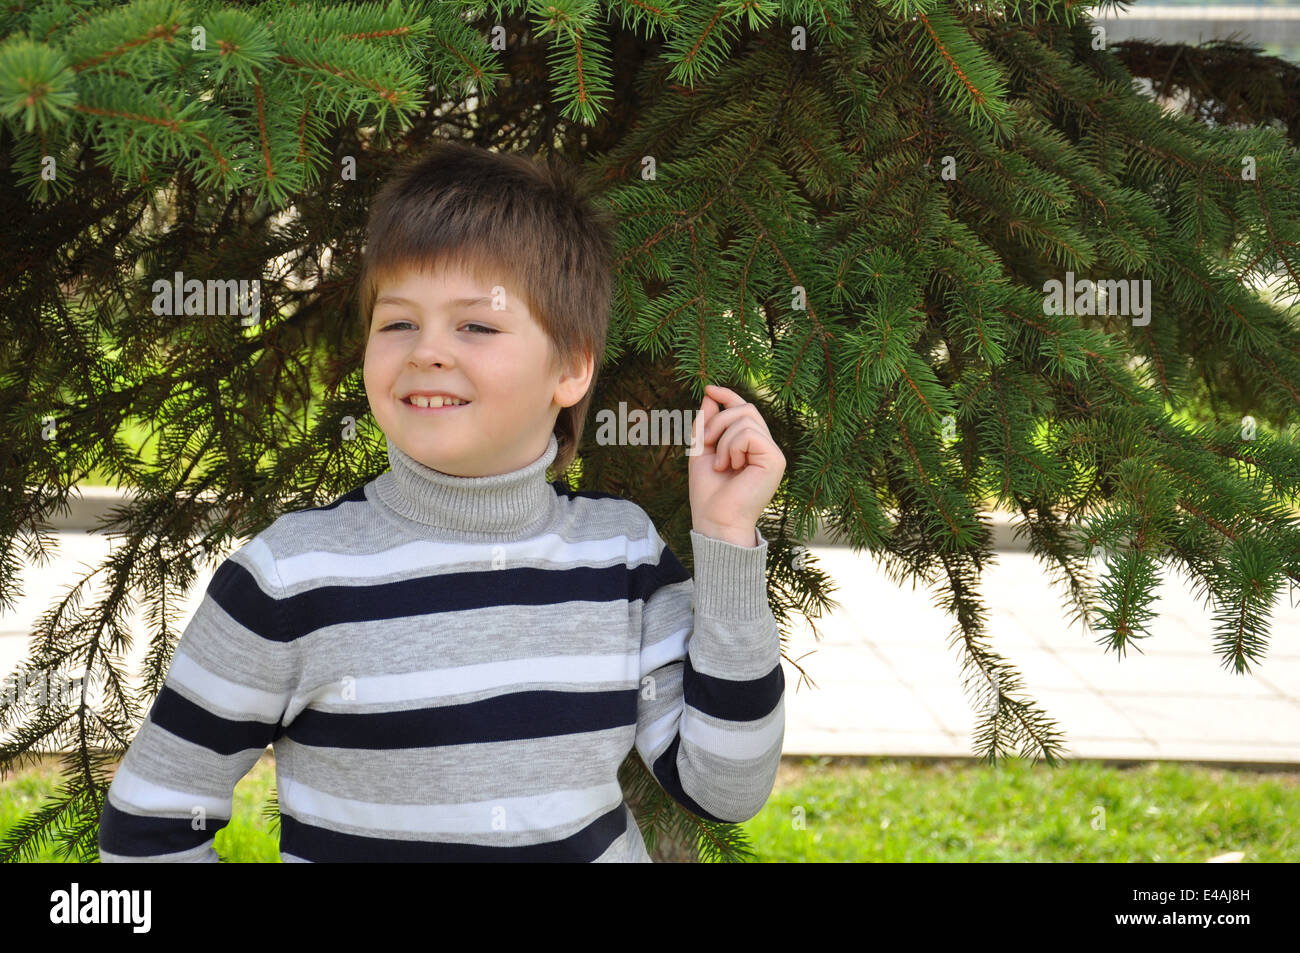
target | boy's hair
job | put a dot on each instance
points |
(494, 214)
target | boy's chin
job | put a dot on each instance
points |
(436, 455)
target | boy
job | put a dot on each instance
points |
(452, 661)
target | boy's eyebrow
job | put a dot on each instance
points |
(456, 303)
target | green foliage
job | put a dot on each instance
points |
(860, 233)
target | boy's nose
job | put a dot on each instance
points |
(433, 348)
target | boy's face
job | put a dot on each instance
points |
(423, 337)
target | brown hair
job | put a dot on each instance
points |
(491, 213)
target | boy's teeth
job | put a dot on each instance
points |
(419, 401)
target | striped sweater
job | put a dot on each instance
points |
(453, 669)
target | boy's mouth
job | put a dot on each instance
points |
(434, 405)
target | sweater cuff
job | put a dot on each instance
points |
(730, 580)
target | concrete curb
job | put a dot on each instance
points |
(89, 507)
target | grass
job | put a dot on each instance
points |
(911, 810)
(881, 809)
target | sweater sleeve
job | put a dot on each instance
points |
(710, 710)
(221, 704)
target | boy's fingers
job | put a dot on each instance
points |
(731, 400)
(726, 452)
(731, 416)
(729, 395)
(708, 410)
(739, 442)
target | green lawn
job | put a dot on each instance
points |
(830, 810)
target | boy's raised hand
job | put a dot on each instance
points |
(735, 467)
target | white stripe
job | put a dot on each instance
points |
(549, 671)
(538, 812)
(645, 548)
(738, 744)
(658, 734)
(141, 796)
(344, 568)
(222, 696)
(670, 649)
(419, 556)
(263, 562)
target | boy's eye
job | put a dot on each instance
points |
(398, 324)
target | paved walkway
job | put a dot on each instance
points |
(888, 683)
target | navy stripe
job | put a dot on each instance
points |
(723, 698)
(352, 496)
(668, 571)
(729, 699)
(563, 490)
(665, 770)
(235, 589)
(134, 836)
(321, 845)
(174, 712)
(648, 578)
(450, 592)
(518, 715)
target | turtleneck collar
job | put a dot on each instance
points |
(510, 505)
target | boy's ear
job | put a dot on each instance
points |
(574, 381)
